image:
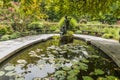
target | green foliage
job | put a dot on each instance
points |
(70, 33)
(9, 29)
(53, 28)
(66, 68)
(111, 78)
(15, 35)
(61, 22)
(87, 78)
(108, 36)
(73, 23)
(71, 77)
(98, 72)
(3, 29)
(60, 75)
(108, 78)
(83, 66)
(35, 25)
(78, 32)
(11, 36)
(5, 37)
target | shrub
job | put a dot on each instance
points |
(108, 36)
(9, 29)
(73, 23)
(78, 32)
(57, 31)
(61, 22)
(70, 33)
(5, 37)
(53, 28)
(15, 35)
(35, 26)
(3, 29)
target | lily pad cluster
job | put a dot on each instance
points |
(60, 62)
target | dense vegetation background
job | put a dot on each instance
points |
(26, 17)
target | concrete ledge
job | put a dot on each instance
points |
(11, 49)
(110, 47)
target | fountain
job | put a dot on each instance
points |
(66, 36)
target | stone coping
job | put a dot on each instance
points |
(10, 47)
(108, 46)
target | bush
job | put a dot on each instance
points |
(70, 33)
(108, 36)
(5, 37)
(57, 31)
(3, 29)
(9, 29)
(78, 32)
(35, 26)
(73, 23)
(15, 35)
(53, 28)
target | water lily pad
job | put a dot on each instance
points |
(21, 61)
(34, 55)
(21, 65)
(40, 66)
(94, 56)
(37, 78)
(2, 73)
(32, 52)
(9, 68)
(42, 55)
(87, 78)
(73, 72)
(66, 68)
(57, 66)
(98, 72)
(63, 52)
(51, 47)
(21, 78)
(39, 50)
(43, 62)
(85, 53)
(112, 78)
(75, 67)
(71, 78)
(83, 66)
(10, 73)
(85, 61)
(46, 79)
(56, 52)
(61, 72)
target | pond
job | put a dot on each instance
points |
(50, 61)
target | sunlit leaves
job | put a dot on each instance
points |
(87, 78)
(98, 72)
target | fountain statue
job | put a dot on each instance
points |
(64, 37)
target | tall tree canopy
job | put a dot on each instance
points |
(94, 8)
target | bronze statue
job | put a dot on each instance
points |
(66, 26)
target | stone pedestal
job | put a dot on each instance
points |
(66, 39)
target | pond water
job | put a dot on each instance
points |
(51, 61)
